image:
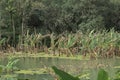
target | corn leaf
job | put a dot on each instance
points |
(63, 75)
(102, 75)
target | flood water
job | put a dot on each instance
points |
(74, 67)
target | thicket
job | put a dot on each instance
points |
(19, 18)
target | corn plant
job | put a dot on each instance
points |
(31, 42)
(63, 75)
(53, 44)
(101, 75)
(100, 43)
(66, 42)
(10, 66)
(2, 41)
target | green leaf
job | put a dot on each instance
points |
(102, 75)
(2, 41)
(63, 75)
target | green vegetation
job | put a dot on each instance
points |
(94, 44)
(67, 27)
(78, 29)
(63, 75)
(10, 66)
(102, 75)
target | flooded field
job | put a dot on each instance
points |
(31, 68)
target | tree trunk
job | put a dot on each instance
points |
(13, 27)
(22, 28)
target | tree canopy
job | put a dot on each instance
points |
(58, 16)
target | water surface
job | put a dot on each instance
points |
(69, 65)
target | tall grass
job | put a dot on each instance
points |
(31, 42)
(96, 44)
(66, 42)
(101, 43)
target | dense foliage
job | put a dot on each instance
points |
(31, 17)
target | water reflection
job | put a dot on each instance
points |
(72, 66)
